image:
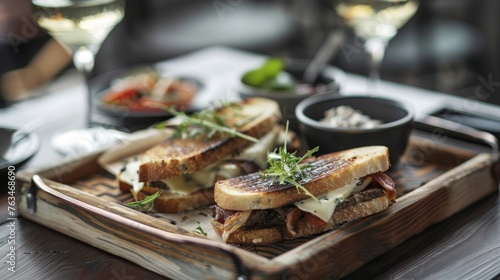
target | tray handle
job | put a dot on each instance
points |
(464, 132)
(38, 184)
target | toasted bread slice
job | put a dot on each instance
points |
(176, 157)
(279, 233)
(328, 172)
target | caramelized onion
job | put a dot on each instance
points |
(234, 222)
(386, 183)
(292, 217)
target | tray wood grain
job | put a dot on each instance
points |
(77, 198)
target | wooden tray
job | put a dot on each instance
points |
(79, 199)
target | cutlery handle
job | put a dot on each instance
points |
(326, 51)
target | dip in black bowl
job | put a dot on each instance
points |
(396, 119)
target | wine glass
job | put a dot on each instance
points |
(376, 22)
(81, 26)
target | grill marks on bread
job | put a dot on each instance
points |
(316, 171)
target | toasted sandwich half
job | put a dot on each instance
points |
(185, 169)
(345, 186)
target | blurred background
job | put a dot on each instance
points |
(450, 46)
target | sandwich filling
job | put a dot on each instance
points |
(318, 212)
(324, 206)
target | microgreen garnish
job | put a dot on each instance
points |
(200, 230)
(146, 204)
(206, 123)
(286, 167)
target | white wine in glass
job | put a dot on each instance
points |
(81, 26)
(376, 22)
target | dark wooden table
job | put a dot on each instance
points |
(465, 246)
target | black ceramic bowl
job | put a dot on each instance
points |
(329, 81)
(396, 116)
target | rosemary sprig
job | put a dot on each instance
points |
(200, 230)
(206, 122)
(146, 204)
(286, 167)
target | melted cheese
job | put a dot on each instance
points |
(229, 170)
(202, 179)
(258, 151)
(130, 176)
(324, 207)
(191, 183)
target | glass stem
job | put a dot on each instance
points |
(376, 50)
(83, 59)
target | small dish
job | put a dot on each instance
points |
(396, 124)
(113, 86)
(329, 82)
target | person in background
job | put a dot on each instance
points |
(29, 58)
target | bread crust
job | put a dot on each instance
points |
(303, 228)
(176, 157)
(251, 191)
